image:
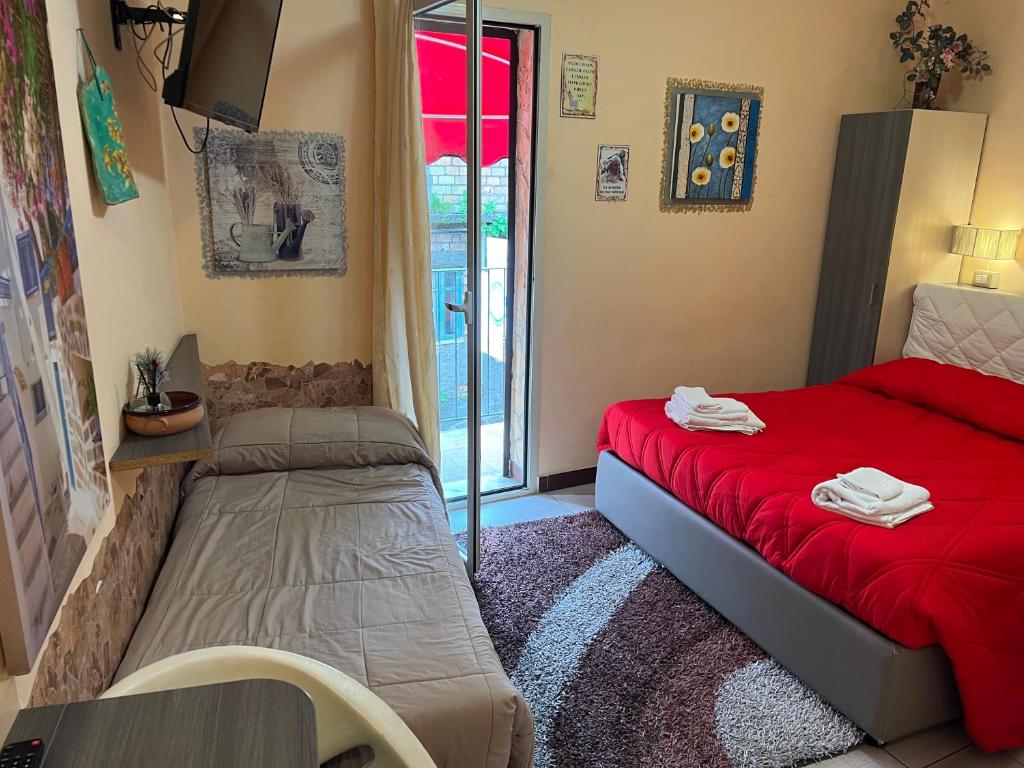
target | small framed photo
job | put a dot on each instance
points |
(579, 86)
(612, 172)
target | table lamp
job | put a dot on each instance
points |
(981, 243)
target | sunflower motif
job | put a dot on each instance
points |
(114, 131)
(701, 176)
(730, 122)
(727, 157)
(696, 133)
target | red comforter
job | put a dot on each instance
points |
(954, 575)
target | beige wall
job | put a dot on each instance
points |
(632, 301)
(321, 79)
(126, 255)
(622, 275)
(996, 25)
(129, 276)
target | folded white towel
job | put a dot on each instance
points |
(687, 418)
(733, 414)
(885, 521)
(873, 482)
(697, 399)
(837, 496)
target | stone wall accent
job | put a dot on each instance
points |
(235, 387)
(95, 625)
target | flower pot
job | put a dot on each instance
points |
(292, 219)
(185, 412)
(924, 94)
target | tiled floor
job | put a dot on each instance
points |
(523, 508)
(453, 460)
(945, 746)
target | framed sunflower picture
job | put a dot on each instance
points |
(710, 153)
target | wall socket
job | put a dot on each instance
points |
(985, 279)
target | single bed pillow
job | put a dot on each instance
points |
(283, 439)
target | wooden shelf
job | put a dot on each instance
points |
(136, 452)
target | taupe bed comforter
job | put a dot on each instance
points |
(321, 531)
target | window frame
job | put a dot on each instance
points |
(39, 397)
(30, 278)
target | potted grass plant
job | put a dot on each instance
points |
(932, 50)
(151, 374)
(154, 412)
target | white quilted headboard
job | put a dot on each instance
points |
(970, 327)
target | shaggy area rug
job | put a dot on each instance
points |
(623, 666)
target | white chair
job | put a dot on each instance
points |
(347, 714)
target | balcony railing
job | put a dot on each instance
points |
(450, 331)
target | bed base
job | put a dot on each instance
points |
(887, 689)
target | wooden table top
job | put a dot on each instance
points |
(252, 723)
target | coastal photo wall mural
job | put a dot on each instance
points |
(54, 488)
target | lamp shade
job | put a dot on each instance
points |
(999, 244)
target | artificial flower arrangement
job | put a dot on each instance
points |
(934, 51)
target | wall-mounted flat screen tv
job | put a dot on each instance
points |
(226, 50)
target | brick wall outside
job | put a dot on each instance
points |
(446, 186)
(446, 183)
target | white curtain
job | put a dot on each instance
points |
(404, 359)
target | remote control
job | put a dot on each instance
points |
(22, 754)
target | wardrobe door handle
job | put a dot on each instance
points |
(873, 299)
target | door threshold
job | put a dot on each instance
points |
(492, 497)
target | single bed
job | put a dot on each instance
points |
(898, 629)
(322, 532)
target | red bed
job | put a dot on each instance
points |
(953, 576)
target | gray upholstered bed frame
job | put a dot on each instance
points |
(887, 689)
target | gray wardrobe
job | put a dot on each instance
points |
(902, 180)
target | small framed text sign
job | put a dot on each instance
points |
(612, 172)
(579, 86)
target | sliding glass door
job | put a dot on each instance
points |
(441, 46)
(477, 86)
(471, 307)
(454, 114)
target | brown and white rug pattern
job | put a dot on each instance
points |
(623, 666)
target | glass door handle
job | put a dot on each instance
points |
(465, 308)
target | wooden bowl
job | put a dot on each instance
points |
(186, 411)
